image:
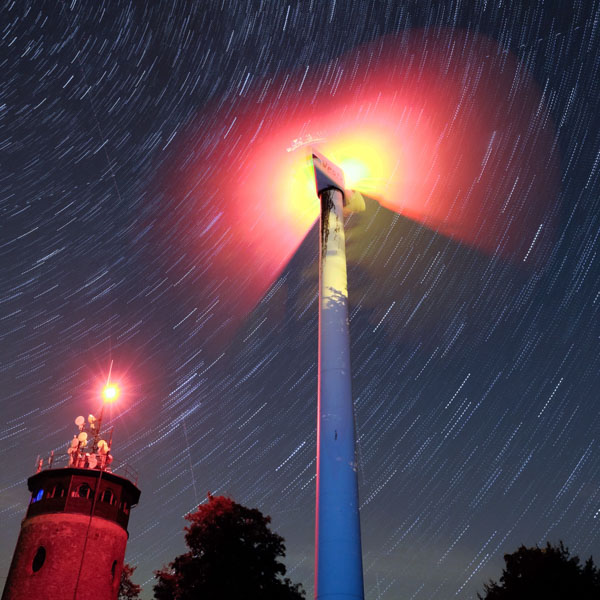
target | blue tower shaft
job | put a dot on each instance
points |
(338, 560)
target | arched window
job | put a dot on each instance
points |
(108, 496)
(84, 491)
(58, 491)
(38, 559)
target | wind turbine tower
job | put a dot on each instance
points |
(338, 554)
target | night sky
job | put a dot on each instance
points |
(144, 221)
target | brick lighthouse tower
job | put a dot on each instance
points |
(74, 534)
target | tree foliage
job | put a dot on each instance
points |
(127, 589)
(232, 554)
(548, 573)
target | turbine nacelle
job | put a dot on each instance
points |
(329, 176)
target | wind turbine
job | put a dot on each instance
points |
(338, 554)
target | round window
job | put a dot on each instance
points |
(39, 559)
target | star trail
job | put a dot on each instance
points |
(154, 212)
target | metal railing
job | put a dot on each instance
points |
(61, 461)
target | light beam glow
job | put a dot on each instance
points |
(404, 133)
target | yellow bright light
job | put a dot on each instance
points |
(364, 156)
(110, 392)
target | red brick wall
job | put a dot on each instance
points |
(63, 536)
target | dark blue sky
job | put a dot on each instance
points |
(475, 374)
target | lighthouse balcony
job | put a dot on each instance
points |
(84, 491)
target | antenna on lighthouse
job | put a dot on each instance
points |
(110, 393)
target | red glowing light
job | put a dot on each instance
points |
(427, 126)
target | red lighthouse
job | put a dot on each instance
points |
(74, 534)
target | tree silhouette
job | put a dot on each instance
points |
(127, 589)
(544, 573)
(232, 554)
